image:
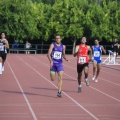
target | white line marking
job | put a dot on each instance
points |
(92, 75)
(59, 117)
(29, 106)
(75, 59)
(83, 82)
(96, 89)
(63, 92)
(91, 68)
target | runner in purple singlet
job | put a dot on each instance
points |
(55, 54)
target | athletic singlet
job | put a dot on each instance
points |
(2, 47)
(82, 56)
(97, 52)
(57, 53)
(4, 41)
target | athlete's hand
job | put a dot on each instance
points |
(67, 60)
(79, 50)
(51, 64)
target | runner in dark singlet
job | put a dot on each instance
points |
(4, 45)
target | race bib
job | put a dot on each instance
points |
(96, 54)
(1, 48)
(82, 60)
(57, 55)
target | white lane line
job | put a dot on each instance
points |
(75, 59)
(97, 90)
(59, 117)
(63, 91)
(83, 82)
(29, 106)
(91, 74)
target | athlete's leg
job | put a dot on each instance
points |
(52, 75)
(79, 78)
(79, 82)
(94, 67)
(3, 61)
(86, 72)
(117, 52)
(79, 71)
(60, 74)
(0, 65)
(60, 70)
(98, 71)
(53, 72)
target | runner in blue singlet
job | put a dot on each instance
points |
(97, 53)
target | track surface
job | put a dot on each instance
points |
(26, 92)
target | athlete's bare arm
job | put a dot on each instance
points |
(76, 51)
(7, 44)
(104, 51)
(49, 52)
(92, 48)
(90, 53)
(64, 56)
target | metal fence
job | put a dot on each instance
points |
(43, 48)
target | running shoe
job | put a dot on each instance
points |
(96, 80)
(93, 78)
(59, 94)
(79, 89)
(86, 81)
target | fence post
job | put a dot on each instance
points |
(42, 47)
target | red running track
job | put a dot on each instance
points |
(26, 92)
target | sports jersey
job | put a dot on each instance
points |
(82, 56)
(97, 53)
(57, 54)
(115, 44)
(4, 41)
(2, 47)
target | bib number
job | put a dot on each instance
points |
(96, 54)
(82, 60)
(57, 55)
(1, 48)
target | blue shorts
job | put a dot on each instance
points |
(57, 68)
(98, 61)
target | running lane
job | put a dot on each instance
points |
(41, 92)
(12, 103)
(102, 98)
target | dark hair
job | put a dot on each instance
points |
(2, 33)
(57, 35)
(96, 39)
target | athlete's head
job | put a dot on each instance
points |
(3, 35)
(83, 40)
(57, 39)
(96, 41)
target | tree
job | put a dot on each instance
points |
(17, 19)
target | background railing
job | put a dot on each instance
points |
(43, 49)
